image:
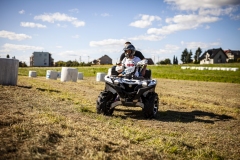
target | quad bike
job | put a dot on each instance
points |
(129, 90)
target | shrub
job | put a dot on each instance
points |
(238, 60)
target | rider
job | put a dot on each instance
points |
(137, 54)
(131, 60)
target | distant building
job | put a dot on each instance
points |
(150, 61)
(213, 56)
(103, 60)
(233, 54)
(41, 59)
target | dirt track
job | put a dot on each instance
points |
(197, 116)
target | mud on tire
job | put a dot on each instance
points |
(151, 104)
(104, 103)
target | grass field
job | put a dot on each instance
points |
(164, 71)
(50, 119)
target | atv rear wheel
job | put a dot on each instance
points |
(104, 103)
(151, 104)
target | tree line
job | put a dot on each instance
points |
(186, 57)
(71, 64)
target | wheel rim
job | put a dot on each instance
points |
(155, 107)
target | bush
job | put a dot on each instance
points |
(238, 60)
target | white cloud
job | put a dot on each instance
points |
(217, 11)
(171, 47)
(146, 20)
(58, 46)
(21, 12)
(207, 27)
(13, 36)
(197, 4)
(14, 47)
(75, 10)
(202, 45)
(63, 26)
(52, 17)
(168, 49)
(107, 42)
(182, 22)
(75, 36)
(32, 25)
(148, 37)
(235, 17)
(69, 53)
(78, 23)
(105, 15)
(111, 50)
(192, 19)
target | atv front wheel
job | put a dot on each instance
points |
(104, 103)
(151, 104)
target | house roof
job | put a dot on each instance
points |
(104, 56)
(150, 61)
(213, 52)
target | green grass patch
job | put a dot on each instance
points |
(163, 71)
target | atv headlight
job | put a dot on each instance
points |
(116, 81)
(144, 84)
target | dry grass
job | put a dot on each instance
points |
(48, 119)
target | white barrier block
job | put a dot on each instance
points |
(69, 74)
(32, 74)
(51, 74)
(234, 69)
(80, 75)
(8, 71)
(100, 77)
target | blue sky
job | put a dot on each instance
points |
(88, 29)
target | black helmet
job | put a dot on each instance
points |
(129, 47)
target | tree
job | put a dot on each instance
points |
(162, 62)
(184, 56)
(238, 60)
(22, 64)
(8, 56)
(175, 60)
(75, 63)
(197, 55)
(167, 61)
(60, 64)
(189, 57)
(69, 63)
